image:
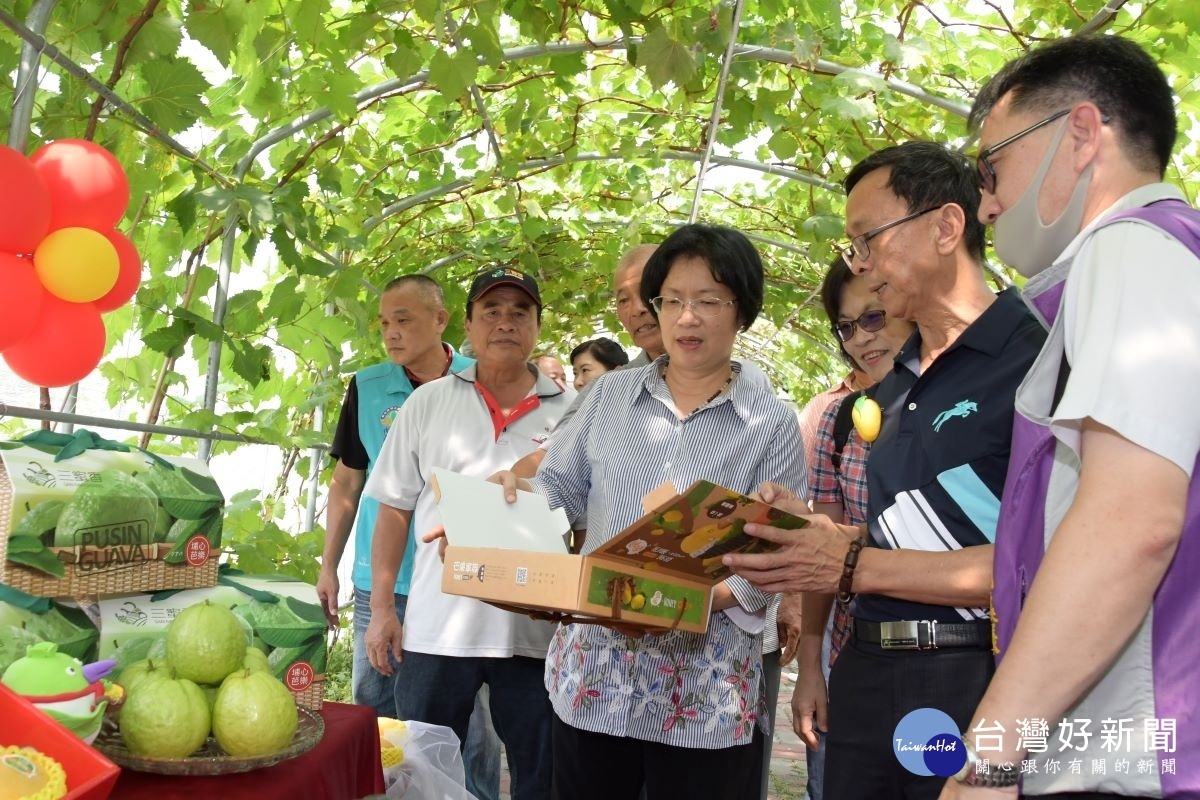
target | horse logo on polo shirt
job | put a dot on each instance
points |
(962, 408)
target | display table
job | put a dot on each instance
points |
(345, 765)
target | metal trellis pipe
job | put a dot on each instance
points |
(42, 47)
(26, 88)
(554, 161)
(710, 138)
(22, 412)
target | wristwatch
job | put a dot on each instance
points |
(996, 776)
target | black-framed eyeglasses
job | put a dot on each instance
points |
(983, 164)
(701, 306)
(869, 321)
(860, 246)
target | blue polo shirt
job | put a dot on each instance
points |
(375, 395)
(936, 473)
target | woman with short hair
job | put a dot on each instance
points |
(683, 714)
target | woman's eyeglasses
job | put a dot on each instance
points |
(701, 306)
(869, 321)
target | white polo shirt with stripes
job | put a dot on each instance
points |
(447, 423)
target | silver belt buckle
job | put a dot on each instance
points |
(906, 635)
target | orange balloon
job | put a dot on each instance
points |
(77, 264)
(87, 187)
(21, 299)
(129, 274)
(24, 204)
(63, 347)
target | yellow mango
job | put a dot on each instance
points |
(867, 417)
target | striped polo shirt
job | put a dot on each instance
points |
(679, 688)
(936, 472)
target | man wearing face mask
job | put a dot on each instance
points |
(1098, 541)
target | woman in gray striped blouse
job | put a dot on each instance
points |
(681, 714)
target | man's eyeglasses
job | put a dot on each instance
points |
(983, 164)
(701, 306)
(860, 246)
(869, 321)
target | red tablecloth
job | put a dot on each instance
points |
(344, 766)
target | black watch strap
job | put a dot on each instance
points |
(997, 776)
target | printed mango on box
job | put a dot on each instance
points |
(80, 515)
(281, 616)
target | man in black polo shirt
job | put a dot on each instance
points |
(920, 586)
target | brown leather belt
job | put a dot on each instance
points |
(924, 634)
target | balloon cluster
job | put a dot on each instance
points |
(62, 262)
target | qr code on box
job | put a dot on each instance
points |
(522, 576)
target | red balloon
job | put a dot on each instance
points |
(88, 188)
(21, 299)
(24, 204)
(128, 276)
(63, 347)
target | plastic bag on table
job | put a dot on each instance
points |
(421, 761)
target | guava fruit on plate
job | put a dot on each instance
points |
(206, 642)
(254, 714)
(210, 759)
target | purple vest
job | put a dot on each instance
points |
(1020, 538)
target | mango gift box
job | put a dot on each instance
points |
(657, 573)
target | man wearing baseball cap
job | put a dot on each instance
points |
(504, 276)
(475, 422)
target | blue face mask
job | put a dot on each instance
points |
(1022, 240)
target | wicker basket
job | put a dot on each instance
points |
(313, 696)
(150, 575)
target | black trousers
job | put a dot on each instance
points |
(441, 690)
(870, 691)
(772, 671)
(596, 766)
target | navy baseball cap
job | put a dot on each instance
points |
(501, 276)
